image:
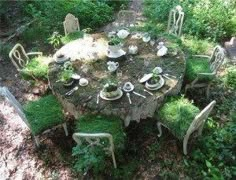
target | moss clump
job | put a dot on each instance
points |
(178, 113)
(37, 67)
(194, 66)
(94, 157)
(72, 36)
(231, 77)
(43, 114)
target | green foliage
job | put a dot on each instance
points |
(120, 4)
(43, 114)
(197, 65)
(93, 157)
(72, 36)
(178, 113)
(197, 46)
(4, 50)
(216, 155)
(37, 67)
(55, 40)
(114, 41)
(214, 19)
(231, 77)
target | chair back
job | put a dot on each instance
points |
(175, 21)
(12, 100)
(18, 56)
(200, 119)
(71, 24)
(126, 18)
(94, 139)
(217, 58)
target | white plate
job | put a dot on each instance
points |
(162, 82)
(117, 54)
(158, 69)
(75, 76)
(145, 78)
(114, 98)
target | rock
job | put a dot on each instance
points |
(36, 90)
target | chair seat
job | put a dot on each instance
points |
(43, 114)
(177, 114)
(37, 67)
(196, 65)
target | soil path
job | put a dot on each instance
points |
(19, 158)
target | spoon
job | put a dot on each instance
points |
(72, 91)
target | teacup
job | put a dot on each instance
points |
(112, 66)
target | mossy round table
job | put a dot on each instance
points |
(89, 58)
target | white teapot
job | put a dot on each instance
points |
(133, 49)
(162, 49)
(112, 66)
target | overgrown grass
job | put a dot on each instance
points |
(196, 46)
(195, 65)
(37, 67)
(93, 157)
(231, 77)
(178, 113)
(43, 114)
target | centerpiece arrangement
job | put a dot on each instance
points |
(66, 74)
(114, 48)
(111, 91)
(156, 81)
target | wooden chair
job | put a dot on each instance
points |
(94, 139)
(71, 24)
(126, 18)
(175, 22)
(20, 58)
(196, 124)
(27, 117)
(215, 61)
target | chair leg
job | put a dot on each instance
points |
(186, 88)
(185, 144)
(159, 129)
(36, 139)
(113, 159)
(199, 133)
(65, 128)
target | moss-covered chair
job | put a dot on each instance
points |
(102, 131)
(39, 115)
(201, 69)
(182, 118)
(36, 67)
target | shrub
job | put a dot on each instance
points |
(72, 36)
(214, 19)
(231, 77)
(4, 50)
(215, 156)
(93, 157)
(43, 114)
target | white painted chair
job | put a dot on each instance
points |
(20, 58)
(215, 61)
(19, 109)
(71, 24)
(175, 22)
(196, 125)
(94, 139)
(126, 18)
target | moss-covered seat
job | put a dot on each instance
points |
(35, 67)
(200, 69)
(182, 118)
(39, 115)
(98, 131)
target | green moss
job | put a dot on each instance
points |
(94, 157)
(37, 67)
(43, 114)
(72, 36)
(231, 77)
(104, 124)
(178, 113)
(195, 66)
